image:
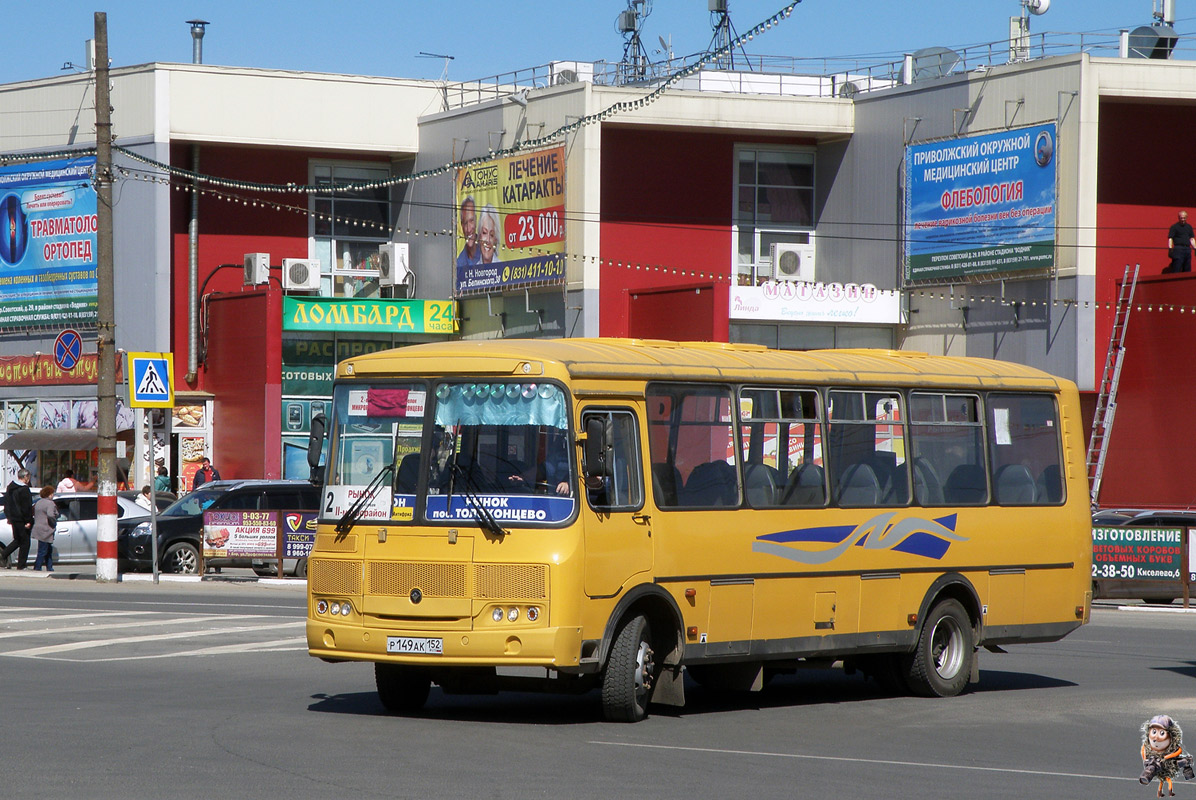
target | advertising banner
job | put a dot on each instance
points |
(229, 534)
(980, 205)
(48, 252)
(368, 316)
(1137, 553)
(510, 226)
(796, 301)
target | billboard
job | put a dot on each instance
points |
(980, 205)
(510, 222)
(48, 252)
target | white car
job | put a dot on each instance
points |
(76, 531)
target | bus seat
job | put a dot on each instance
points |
(711, 484)
(408, 474)
(761, 482)
(1050, 485)
(859, 486)
(898, 491)
(928, 489)
(665, 482)
(966, 485)
(1015, 486)
(806, 487)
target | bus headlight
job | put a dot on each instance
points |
(345, 608)
(497, 614)
(533, 614)
(321, 606)
(513, 614)
(335, 608)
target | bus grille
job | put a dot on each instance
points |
(335, 543)
(334, 577)
(483, 581)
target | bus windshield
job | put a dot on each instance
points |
(495, 452)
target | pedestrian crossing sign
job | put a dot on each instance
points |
(151, 380)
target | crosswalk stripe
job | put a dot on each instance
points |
(110, 626)
(33, 652)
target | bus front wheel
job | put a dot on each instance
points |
(402, 689)
(942, 662)
(630, 673)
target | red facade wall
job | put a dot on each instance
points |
(667, 208)
(245, 361)
(1137, 200)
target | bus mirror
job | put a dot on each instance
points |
(315, 447)
(594, 454)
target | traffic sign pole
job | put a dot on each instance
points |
(151, 385)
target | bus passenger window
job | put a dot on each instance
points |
(1024, 449)
(866, 440)
(947, 450)
(622, 487)
(780, 434)
(690, 438)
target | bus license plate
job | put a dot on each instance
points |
(408, 644)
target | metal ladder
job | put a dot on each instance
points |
(1106, 402)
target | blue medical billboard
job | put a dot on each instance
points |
(48, 253)
(980, 205)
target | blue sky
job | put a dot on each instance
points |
(489, 38)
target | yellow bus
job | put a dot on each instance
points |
(585, 514)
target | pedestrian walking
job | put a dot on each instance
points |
(206, 474)
(45, 515)
(18, 508)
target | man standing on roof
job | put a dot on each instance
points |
(1181, 239)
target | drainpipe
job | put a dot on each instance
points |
(198, 27)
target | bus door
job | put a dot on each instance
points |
(618, 534)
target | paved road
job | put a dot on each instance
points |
(205, 690)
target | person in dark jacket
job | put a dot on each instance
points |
(206, 474)
(18, 508)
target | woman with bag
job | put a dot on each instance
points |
(45, 514)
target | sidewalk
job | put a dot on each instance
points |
(87, 572)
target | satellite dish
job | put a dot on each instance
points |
(848, 90)
(1038, 7)
(933, 62)
(663, 44)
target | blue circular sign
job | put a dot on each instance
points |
(68, 349)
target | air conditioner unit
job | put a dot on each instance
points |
(299, 273)
(562, 72)
(793, 261)
(257, 268)
(393, 266)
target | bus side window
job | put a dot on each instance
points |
(947, 449)
(1024, 449)
(622, 488)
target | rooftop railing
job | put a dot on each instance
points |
(743, 73)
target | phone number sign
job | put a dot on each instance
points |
(1137, 553)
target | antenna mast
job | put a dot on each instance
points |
(629, 23)
(724, 35)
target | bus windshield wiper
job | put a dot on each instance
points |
(481, 513)
(350, 517)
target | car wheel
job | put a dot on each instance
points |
(942, 661)
(301, 568)
(181, 558)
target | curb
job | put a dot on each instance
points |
(145, 577)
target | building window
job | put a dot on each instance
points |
(774, 203)
(347, 228)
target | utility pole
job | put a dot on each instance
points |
(106, 563)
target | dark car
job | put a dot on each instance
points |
(1161, 592)
(180, 526)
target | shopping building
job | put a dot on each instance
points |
(982, 202)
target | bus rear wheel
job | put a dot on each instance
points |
(630, 673)
(402, 689)
(942, 662)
